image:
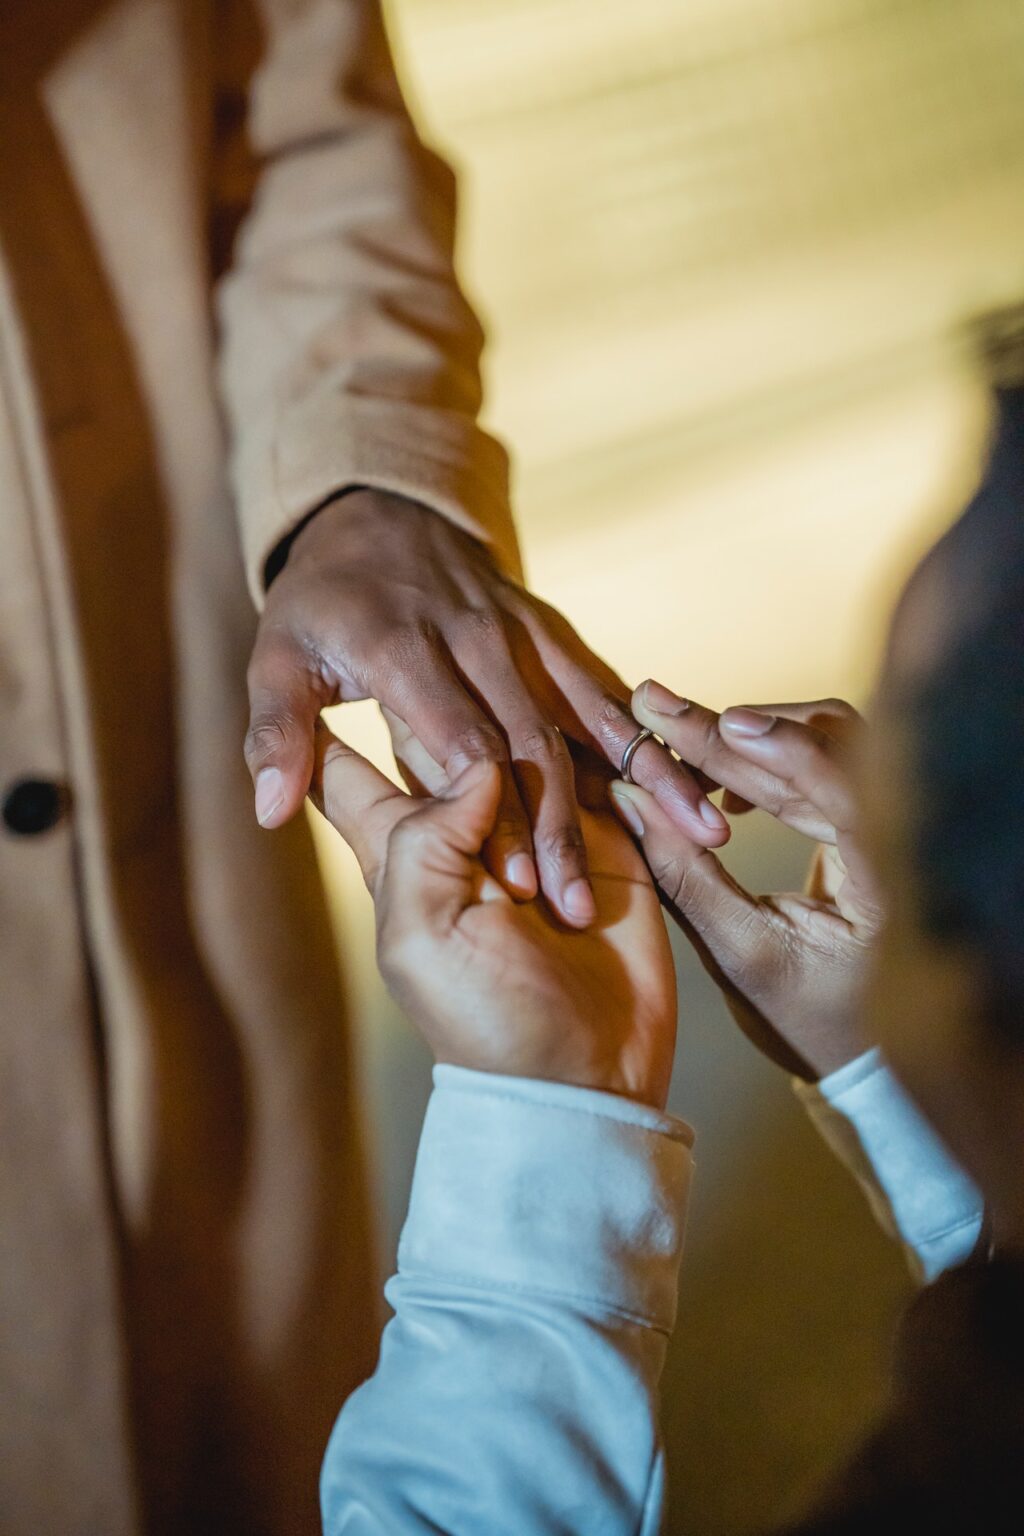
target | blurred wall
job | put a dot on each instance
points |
(726, 250)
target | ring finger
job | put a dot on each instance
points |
(611, 729)
(546, 783)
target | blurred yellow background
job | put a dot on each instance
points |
(727, 251)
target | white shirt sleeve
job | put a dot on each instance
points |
(919, 1194)
(516, 1390)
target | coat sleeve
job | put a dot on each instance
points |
(348, 353)
(517, 1388)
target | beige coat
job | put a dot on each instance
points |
(185, 1293)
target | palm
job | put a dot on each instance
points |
(494, 985)
(799, 987)
(511, 971)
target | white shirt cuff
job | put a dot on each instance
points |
(538, 1187)
(919, 1194)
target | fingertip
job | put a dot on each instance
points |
(624, 803)
(715, 837)
(271, 810)
(702, 822)
(715, 830)
(742, 725)
(521, 876)
(713, 819)
(654, 699)
(578, 904)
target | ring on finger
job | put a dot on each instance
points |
(630, 752)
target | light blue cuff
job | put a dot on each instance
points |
(919, 1193)
(540, 1188)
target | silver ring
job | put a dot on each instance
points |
(630, 753)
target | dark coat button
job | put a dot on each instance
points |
(33, 805)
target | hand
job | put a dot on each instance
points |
(384, 599)
(494, 984)
(791, 967)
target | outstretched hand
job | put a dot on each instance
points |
(495, 984)
(383, 599)
(791, 966)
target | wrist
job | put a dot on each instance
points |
(570, 1058)
(355, 515)
(826, 1050)
(538, 1187)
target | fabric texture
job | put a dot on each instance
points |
(517, 1385)
(350, 356)
(917, 1191)
(209, 209)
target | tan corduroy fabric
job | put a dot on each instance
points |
(185, 1292)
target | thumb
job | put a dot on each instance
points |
(359, 801)
(434, 868)
(468, 810)
(285, 700)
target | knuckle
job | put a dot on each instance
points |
(478, 742)
(709, 744)
(480, 629)
(673, 876)
(265, 736)
(543, 743)
(411, 842)
(613, 724)
(408, 646)
(564, 845)
(335, 752)
(509, 828)
(778, 796)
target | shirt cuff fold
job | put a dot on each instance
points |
(918, 1192)
(546, 1189)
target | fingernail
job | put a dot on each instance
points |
(627, 809)
(710, 815)
(579, 901)
(661, 700)
(521, 872)
(746, 722)
(269, 793)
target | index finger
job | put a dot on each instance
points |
(797, 776)
(596, 715)
(359, 801)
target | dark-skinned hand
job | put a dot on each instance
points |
(381, 598)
